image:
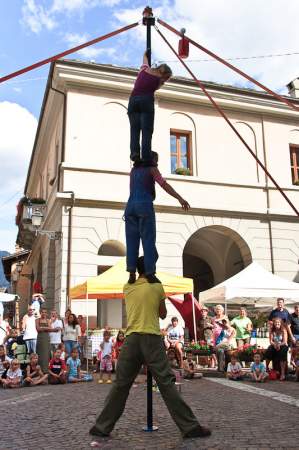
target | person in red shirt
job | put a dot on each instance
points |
(120, 339)
(57, 369)
(141, 108)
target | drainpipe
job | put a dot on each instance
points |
(268, 200)
(69, 247)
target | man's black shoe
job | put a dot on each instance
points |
(132, 278)
(151, 278)
(95, 432)
(198, 432)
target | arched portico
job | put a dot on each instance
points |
(212, 254)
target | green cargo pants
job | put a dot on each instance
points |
(146, 349)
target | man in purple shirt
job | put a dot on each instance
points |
(141, 109)
(140, 217)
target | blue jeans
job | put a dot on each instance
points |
(69, 345)
(141, 112)
(31, 345)
(141, 225)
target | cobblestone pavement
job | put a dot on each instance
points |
(59, 417)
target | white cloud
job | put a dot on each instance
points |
(230, 29)
(18, 128)
(74, 39)
(35, 17)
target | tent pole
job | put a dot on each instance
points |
(194, 319)
(86, 341)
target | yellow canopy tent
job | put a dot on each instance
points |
(110, 284)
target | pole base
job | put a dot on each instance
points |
(150, 429)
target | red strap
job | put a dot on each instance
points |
(234, 68)
(66, 52)
(201, 85)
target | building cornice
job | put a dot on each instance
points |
(70, 75)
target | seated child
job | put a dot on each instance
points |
(189, 367)
(106, 357)
(11, 342)
(4, 362)
(172, 358)
(57, 369)
(73, 363)
(13, 376)
(258, 369)
(234, 369)
(34, 373)
(295, 359)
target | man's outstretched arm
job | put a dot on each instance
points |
(169, 189)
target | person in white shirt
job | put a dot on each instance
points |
(234, 369)
(71, 334)
(30, 331)
(175, 339)
(4, 330)
(55, 335)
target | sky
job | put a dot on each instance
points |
(31, 30)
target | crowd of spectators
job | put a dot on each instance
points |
(55, 346)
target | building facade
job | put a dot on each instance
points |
(80, 166)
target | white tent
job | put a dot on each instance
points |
(254, 285)
(6, 298)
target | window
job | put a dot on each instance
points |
(180, 152)
(294, 154)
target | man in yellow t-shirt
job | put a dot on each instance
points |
(145, 303)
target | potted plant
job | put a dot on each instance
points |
(182, 171)
(200, 349)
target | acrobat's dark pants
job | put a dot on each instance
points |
(141, 226)
(141, 114)
(146, 349)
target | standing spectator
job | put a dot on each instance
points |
(36, 303)
(217, 321)
(295, 359)
(120, 339)
(282, 313)
(30, 332)
(294, 325)
(57, 369)
(4, 329)
(175, 339)
(278, 349)
(83, 338)
(13, 376)
(234, 369)
(106, 357)
(34, 373)
(66, 316)
(55, 335)
(205, 327)
(71, 334)
(243, 326)
(4, 362)
(258, 369)
(43, 326)
(223, 343)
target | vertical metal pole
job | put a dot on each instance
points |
(149, 386)
(149, 42)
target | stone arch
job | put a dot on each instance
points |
(184, 122)
(248, 133)
(112, 247)
(212, 254)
